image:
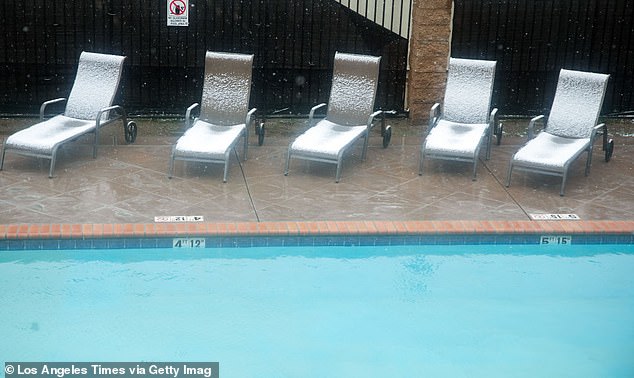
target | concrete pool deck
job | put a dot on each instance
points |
(123, 191)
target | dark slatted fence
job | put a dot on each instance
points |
(293, 41)
(533, 39)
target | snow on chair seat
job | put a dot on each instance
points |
(224, 116)
(457, 139)
(570, 129)
(550, 152)
(42, 138)
(196, 140)
(465, 122)
(327, 139)
(349, 114)
(88, 108)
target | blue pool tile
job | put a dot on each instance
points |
(100, 243)
(259, 241)
(148, 243)
(116, 243)
(321, 241)
(50, 244)
(165, 243)
(33, 244)
(243, 242)
(67, 244)
(132, 243)
(311, 240)
(293, 241)
(83, 244)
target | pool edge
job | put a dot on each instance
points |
(140, 235)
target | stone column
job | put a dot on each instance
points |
(430, 43)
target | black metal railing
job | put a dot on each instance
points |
(293, 41)
(533, 39)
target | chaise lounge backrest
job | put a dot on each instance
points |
(469, 91)
(95, 86)
(354, 83)
(226, 88)
(577, 104)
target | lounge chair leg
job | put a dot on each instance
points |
(94, 145)
(488, 146)
(563, 183)
(365, 147)
(171, 168)
(2, 156)
(508, 175)
(420, 163)
(224, 178)
(246, 144)
(488, 156)
(53, 161)
(338, 174)
(588, 163)
(288, 163)
(52, 167)
(475, 168)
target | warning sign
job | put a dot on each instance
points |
(177, 12)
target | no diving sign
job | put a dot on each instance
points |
(177, 12)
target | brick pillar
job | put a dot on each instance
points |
(429, 52)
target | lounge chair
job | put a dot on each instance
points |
(88, 108)
(224, 116)
(570, 129)
(349, 115)
(466, 121)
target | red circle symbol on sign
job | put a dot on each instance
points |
(177, 7)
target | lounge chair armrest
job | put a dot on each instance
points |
(311, 115)
(113, 107)
(47, 103)
(595, 130)
(381, 113)
(531, 126)
(250, 117)
(493, 117)
(373, 116)
(188, 114)
(101, 112)
(434, 116)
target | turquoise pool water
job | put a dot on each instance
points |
(405, 311)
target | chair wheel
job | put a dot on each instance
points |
(498, 135)
(609, 150)
(387, 136)
(130, 132)
(260, 131)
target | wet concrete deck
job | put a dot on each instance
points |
(129, 183)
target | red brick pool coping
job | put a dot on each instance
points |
(323, 228)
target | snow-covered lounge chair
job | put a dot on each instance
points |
(88, 108)
(224, 116)
(349, 115)
(466, 120)
(570, 129)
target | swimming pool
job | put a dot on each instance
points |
(397, 311)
